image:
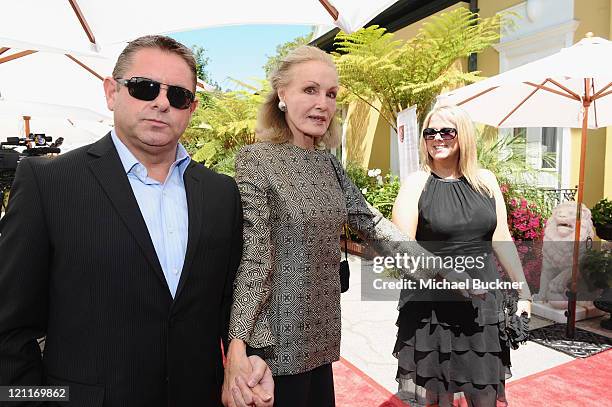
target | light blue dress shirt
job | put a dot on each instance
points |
(163, 207)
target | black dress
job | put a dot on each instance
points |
(448, 344)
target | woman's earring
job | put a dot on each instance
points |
(282, 106)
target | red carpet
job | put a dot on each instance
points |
(579, 383)
(354, 388)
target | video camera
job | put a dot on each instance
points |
(10, 156)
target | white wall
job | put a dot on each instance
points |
(540, 28)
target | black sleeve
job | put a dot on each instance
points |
(24, 260)
(235, 256)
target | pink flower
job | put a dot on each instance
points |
(524, 221)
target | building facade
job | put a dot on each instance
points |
(541, 28)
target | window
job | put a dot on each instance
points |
(549, 147)
(541, 144)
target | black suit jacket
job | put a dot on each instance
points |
(77, 265)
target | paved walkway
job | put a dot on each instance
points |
(369, 332)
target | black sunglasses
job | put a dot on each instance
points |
(446, 133)
(148, 89)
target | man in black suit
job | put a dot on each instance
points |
(123, 254)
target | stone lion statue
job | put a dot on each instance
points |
(558, 249)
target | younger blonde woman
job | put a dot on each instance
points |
(445, 344)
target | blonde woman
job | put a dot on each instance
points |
(447, 345)
(286, 297)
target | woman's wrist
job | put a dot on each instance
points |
(236, 346)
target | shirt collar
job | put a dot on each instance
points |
(182, 159)
(128, 160)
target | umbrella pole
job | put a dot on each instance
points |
(26, 122)
(333, 12)
(571, 295)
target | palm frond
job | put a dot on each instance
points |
(374, 66)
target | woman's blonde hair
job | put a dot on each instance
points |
(466, 137)
(271, 123)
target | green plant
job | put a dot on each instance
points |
(358, 175)
(528, 207)
(223, 124)
(382, 196)
(537, 199)
(504, 155)
(375, 68)
(601, 213)
(596, 268)
(379, 191)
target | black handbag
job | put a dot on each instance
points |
(345, 271)
(514, 329)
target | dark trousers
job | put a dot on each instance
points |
(314, 388)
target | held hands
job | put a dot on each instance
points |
(258, 390)
(248, 380)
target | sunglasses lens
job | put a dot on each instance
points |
(179, 98)
(143, 89)
(429, 133)
(448, 134)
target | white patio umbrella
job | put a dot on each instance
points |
(59, 77)
(18, 108)
(85, 25)
(40, 90)
(53, 79)
(78, 126)
(571, 88)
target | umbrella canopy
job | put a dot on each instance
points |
(13, 109)
(87, 24)
(58, 93)
(545, 93)
(572, 88)
(56, 76)
(78, 126)
(53, 79)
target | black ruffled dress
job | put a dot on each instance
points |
(448, 345)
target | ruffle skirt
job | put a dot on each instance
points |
(445, 352)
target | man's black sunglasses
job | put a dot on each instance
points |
(446, 133)
(148, 89)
